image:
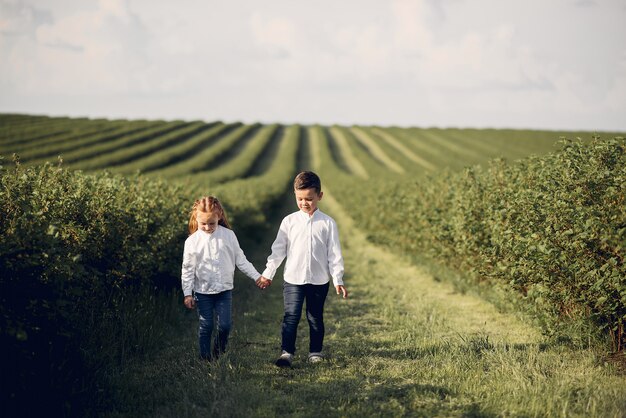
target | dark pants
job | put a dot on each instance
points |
(294, 297)
(219, 304)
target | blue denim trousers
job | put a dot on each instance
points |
(214, 308)
(294, 297)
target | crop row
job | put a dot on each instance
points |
(215, 152)
(71, 144)
(29, 132)
(65, 134)
(242, 159)
(181, 150)
(210, 156)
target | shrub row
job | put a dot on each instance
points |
(83, 258)
(551, 227)
(75, 250)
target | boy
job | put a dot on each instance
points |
(310, 240)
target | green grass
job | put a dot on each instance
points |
(403, 344)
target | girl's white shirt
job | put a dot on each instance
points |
(311, 245)
(209, 262)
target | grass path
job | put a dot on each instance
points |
(402, 345)
(459, 314)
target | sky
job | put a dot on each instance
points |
(533, 64)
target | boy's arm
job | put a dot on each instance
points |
(279, 252)
(242, 262)
(335, 258)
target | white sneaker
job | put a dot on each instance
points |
(315, 357)
(284, 360)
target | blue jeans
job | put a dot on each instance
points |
(294, 297)
(219, 304)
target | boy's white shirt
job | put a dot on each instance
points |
(209, 262)
(311, 245)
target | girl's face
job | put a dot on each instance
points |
(307, 200)
(207, 222)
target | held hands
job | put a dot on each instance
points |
(342, 290)
(189, 302)
(263, 282)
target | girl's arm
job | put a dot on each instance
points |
(242, 262)
(279, 252)
(188, 269)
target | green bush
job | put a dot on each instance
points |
(551, 227)
(82, 259)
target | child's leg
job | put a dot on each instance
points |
(206, 304)
(294, 299)
(223, 309)
(315, 298)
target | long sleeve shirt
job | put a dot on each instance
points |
(311, 245)
(209, 262)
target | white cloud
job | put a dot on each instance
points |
(411, 33)
(402, 62)
(19, 19)
(615, 100)
(74, 54)
(116, 8)
(274, 33)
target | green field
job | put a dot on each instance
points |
(486, 269)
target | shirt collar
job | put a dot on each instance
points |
(305, 216)
(205, 235)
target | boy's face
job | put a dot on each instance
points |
(207, 222)
(307, 200)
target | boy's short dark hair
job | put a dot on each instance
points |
(307, 180)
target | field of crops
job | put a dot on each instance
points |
(218, 151)
(96, 210)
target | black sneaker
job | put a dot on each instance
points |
(284, 360)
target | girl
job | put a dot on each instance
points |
(209, 259)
